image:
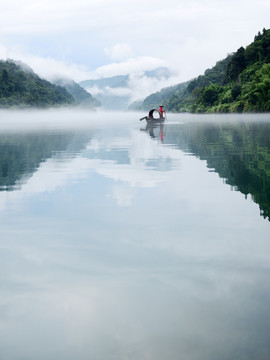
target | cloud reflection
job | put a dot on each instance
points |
(130, 161)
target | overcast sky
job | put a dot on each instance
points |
(86, 39)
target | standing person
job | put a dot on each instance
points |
(161, 110)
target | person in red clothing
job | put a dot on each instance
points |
(161, 110)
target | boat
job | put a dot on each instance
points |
(151, 119)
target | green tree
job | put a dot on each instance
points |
(210, 94)
(236, 65)
(236, 91)
(5, 76)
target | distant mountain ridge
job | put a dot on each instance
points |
(114, 81)
(122, 80)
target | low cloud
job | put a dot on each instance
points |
(138, 87)
(110, 91)
(119, 91)
(141, 85)
(49, 67)
(131, 65)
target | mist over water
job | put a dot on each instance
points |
(124, 241)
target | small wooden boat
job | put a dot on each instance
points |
(150, 119)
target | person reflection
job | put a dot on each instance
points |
(150, 128)
(161, 133)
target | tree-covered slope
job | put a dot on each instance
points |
(20, 86)
(80, 95)
(179, 98)
(161, 97)
(239, 83)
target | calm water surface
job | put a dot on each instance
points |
(124, 242)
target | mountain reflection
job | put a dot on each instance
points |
(238, 152)
(21, 154)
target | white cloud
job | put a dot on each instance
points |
(119, 52)
(48, 67)
(110, 91)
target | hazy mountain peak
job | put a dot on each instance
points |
(117, 92)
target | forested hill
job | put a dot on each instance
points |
(239, 83)
(20, 86)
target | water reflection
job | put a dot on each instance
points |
(239, 152)
(22, 154)
(117, 244)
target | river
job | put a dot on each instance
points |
(122, 241)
